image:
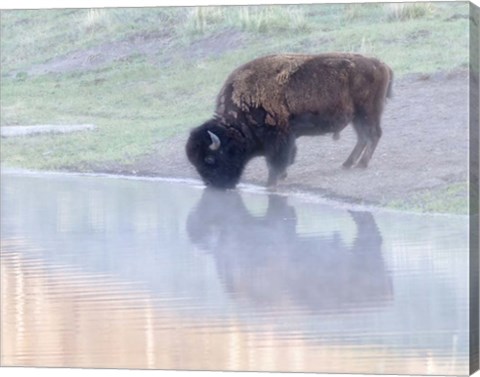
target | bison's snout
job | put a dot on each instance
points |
(220, 186)
(221, 183)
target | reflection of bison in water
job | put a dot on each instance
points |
(265, 261)
(265, 104)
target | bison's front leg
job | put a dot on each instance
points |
(280, 153)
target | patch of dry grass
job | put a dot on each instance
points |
(408, 11)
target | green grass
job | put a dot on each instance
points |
(128, 125)
(139, 101)
(450, 199)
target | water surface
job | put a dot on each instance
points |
(103, 272)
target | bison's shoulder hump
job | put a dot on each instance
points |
(261, 82)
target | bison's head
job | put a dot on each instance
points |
(218, 153)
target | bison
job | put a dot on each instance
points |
(267, 103)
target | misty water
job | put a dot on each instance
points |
(115, 272)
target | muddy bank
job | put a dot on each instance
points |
(424, 146)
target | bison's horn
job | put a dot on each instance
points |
(215, 141)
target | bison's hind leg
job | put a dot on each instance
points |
(374, 135)
(368, 134)
(362, 140)
(369, 116)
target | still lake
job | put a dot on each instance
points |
(128, 273)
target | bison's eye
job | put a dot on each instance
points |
(210, 160)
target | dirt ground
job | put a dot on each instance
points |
(424, 146)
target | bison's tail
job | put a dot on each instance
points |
(390, 84)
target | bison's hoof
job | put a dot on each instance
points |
(347, 165)
(362, 165)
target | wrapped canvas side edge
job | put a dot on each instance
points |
(474, 186)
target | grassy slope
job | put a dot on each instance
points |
(138, 101)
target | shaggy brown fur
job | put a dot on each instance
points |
(268, 102)
(295, 84)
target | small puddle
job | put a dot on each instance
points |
(11, 131)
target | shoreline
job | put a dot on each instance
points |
(309, 195)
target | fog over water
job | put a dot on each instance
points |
(103, 272)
